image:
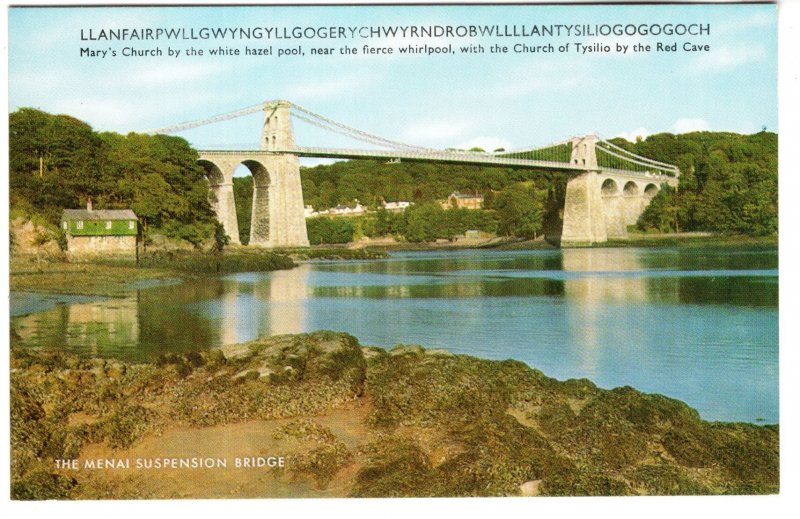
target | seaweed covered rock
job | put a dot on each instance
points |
(417, 423)
(505, 424)
(336, 357)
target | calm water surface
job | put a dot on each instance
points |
(700, 325)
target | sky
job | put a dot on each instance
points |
(517, 100)
(489, 100)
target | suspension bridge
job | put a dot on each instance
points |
(608, 186)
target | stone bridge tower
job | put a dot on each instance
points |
(277, 216)
(583, 208)
(600, 202)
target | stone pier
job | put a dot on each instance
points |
(277, 217)
(601, 203)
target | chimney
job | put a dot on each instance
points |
(89, 204)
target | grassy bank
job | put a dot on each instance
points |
(114, 278)
(60, 277)
(694, 240)
(633, 240)
(363, 421)
(204, 263)
(334, 253)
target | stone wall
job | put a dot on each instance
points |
(80, 247)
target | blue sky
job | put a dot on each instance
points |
(489, 100)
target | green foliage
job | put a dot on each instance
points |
(662, 214)
(335, 253)
(373, 182)
(201, 263)
(329, 230)
(666, 480)
(243, 194)
(127, 424)
(519, 212)
(396, 467)
(728, 183)
(221, 239)
(41, 485)
(56, 162)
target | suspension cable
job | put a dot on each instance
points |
(356, 130)
(639, 157)
(671, 169)
(214, 119)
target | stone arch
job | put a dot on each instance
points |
(220, 195)
(631, 188)
(259, 213)
(609, 187)
(213, 172)
(651, 190)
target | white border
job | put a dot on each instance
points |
(783, 505)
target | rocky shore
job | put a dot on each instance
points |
(320, 415)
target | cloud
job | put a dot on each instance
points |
(485, 143)
(437, 131)
(726, 58)
(631, 136)
(689, 125)
(683, 125)
(322, 89)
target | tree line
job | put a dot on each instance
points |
(57, 162)
(729, 184)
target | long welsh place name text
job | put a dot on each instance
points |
(393, 31)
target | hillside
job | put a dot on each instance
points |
(729, 184)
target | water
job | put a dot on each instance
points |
(699, 324)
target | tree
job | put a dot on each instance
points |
(662, 213)
(519, 212)
(157, 176)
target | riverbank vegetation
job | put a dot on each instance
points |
(362, 421)
(118, 277)
(57, 162)
(728, 186)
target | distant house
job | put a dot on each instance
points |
(462, 200)
(101, 232)
(396, 206)
(343, 210)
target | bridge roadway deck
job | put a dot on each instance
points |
(437, 156)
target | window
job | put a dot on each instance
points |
(79, 224)
(108, 224)
(130, 224)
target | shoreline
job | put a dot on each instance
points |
(112, 278)
(364, 421)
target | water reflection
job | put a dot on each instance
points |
(589, 293)
(84, 327)
(284, 294)
(699, 325)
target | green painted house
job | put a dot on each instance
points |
(101, 232)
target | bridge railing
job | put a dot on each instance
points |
(454, 156)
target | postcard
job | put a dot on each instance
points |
(358, 251)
